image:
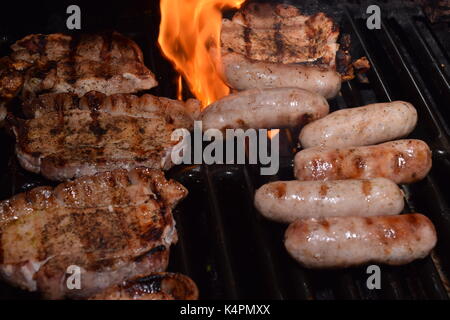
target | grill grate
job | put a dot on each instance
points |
(229, 249)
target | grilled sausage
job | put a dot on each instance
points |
(402, 161)
(268, 108)
(348, 241)
(361, 126)
(286, 201)
(242, 73)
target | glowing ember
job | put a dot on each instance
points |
(189, 36)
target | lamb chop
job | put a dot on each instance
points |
(69, 137)
(114, 226)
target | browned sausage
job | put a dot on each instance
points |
(286, 201)
(348, 241)
(242, 73)
(362, 126)
(402, 161)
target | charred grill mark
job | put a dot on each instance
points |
(278, 39)
(75, 101)
(246, 35)
(280, 190)
(412, 220)
(42, 44)
(96, 129)
(366, 187)
(324, 223)
(241, 123)
(71, 60)
(248, 44)
(359, 164)
(105, 52)
(94, 102)
(41, 71)
(323, 190)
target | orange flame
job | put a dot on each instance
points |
(189, 36)
(272, 133)
(180, 88)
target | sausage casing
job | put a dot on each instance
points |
(402, 161)
(242, 73)
(286, 201)
(371, 124)
(348, 241)
(268, 108)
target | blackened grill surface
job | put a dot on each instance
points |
(225, 245)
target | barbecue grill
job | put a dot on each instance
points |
(225, 245)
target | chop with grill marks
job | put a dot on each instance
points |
(281, 34)
(115, 226)
(109, 63)
(71, 137)
(180, 114)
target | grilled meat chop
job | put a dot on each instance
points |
(71, 137)
(180, 114)
(281, 34)
(114, 226)
(109, 63)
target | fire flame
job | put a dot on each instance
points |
(189, 36)
(272, 133)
